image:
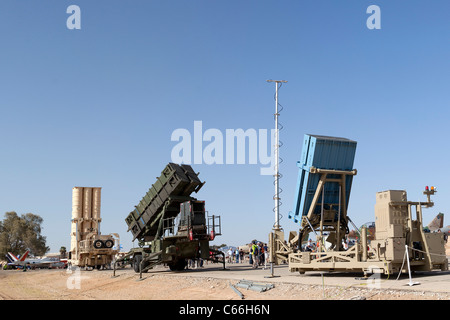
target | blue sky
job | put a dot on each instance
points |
(97, 106)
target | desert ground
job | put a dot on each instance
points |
(213, 283)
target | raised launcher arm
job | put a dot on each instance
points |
(170, 225)
(323, 191)
(323, 188)
(322, 195)
(163, 199)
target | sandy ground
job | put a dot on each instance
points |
(163, 285)
(160, 284)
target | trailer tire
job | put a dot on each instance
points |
(109, 244)
(179, 265)
(98, 244)
(137, 262)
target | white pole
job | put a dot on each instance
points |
(277, 158)
(277, 171)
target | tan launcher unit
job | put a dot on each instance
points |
(88, 247)
(398, 227)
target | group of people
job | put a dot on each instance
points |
(196, 263)
(235, 256)
(258, 255)
(318, 246)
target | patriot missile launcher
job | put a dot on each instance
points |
(170, 226)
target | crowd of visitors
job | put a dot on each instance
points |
(258, 255)
(235, 256)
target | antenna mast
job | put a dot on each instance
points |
(276, 197)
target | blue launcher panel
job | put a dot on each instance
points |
(322, 152)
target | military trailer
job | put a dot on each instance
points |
(170, 226)
(321, 201)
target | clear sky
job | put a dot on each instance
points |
(97, 106)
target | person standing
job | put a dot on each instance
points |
(241, 255)
(230, 255)
(266, 255)
(261, 253)
(255, 255)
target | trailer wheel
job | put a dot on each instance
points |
(98, 244)
(179, 265)
(137, 262)
(109, 244)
